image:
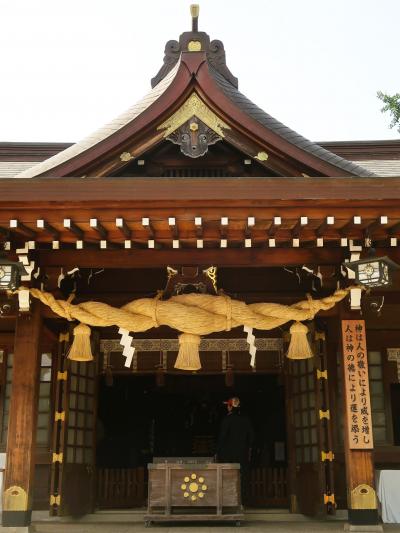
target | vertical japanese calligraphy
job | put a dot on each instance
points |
(356, 385)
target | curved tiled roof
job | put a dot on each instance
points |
(389, 168)
(103, 132)
(231, 91)
(288, 134)
(12, 169)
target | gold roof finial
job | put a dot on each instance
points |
(194, 11)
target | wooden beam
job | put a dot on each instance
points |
(42, 224)
(73, 228)
(202, 191)
(16, 225)
(123, 227)
(223, 232)
(375, 225)
(395, 229)
(349, 227)
(253, 257)
(97, 226)
(21, 442)
(251, 221)
(174, 232)
(329, 221)
(303, 221)
(275, 225)
(198, 222)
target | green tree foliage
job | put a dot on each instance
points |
(392, 104)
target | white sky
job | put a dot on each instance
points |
(69, 66)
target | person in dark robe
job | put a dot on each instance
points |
(235, 441)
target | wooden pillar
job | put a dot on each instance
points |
(357, 422)
(18, 481)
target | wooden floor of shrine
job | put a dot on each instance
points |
(257, 521)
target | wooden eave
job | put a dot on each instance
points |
(30, 193)
(25, 202)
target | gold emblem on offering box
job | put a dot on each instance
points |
(193, 487)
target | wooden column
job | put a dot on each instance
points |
(358, 438)
(18, 482)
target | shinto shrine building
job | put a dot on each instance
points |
(195, 189)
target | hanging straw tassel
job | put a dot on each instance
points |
(299, 347)
(188, 355)
(81, 349)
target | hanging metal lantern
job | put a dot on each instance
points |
(373, 271)
(10, 274)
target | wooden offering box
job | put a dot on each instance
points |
(194, 491)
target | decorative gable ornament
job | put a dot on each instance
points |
(194, 138)
(194, 107)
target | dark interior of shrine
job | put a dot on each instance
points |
(138, 420)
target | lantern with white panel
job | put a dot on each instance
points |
(10, 274)
(373, 271)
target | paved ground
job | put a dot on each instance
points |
(250, 526)
(267, 521)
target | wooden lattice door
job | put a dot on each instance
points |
(73, 467)
(312, 433)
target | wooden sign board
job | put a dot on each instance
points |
(356, 385)
(393, 354)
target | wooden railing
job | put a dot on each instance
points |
(267, 487)
(121, 488)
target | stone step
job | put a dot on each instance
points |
(137, 515)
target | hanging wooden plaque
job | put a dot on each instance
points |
(356, 385)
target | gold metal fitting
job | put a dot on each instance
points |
(195, 10)
(62, 376)
(55, 500)
(261, 156)
(57, 457)
(322, 374)
(324, 414)
(329, 498)
(194, 46)
(59, 415)
(63, 337)
(327, 456)
(363, 497)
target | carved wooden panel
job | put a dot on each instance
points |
(206, 345)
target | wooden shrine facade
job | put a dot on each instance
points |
(195, 175)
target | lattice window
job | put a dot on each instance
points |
(79, 446)
(376, 387)
(6, 398)
(196, 173)
(305, 415)
(44, 404)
